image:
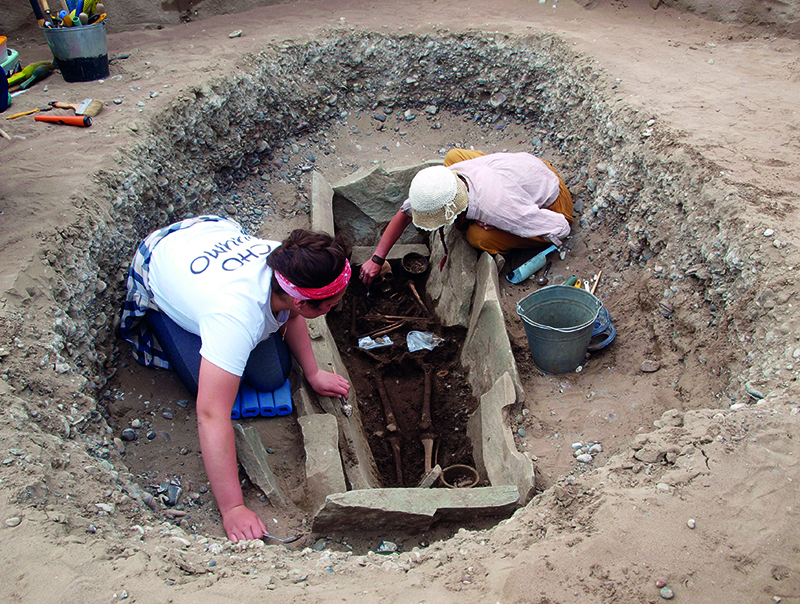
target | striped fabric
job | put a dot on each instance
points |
(145, 347)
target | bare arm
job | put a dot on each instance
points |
(216, 394)
(390, 236)
(323, 382)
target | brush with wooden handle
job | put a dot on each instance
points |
(90, 107)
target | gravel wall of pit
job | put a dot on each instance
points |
(656, 197)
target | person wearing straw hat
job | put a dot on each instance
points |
(501, 201)
(220, 308)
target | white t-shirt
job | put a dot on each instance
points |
(213, 280)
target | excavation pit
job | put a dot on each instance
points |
(249, 147)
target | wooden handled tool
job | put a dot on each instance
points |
(90, 107)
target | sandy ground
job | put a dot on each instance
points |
(602, 536)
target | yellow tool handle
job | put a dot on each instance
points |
(11, 117)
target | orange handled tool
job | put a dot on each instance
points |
(69, 120)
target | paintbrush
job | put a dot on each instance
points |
(90, 107)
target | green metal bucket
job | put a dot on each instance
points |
(558, 321)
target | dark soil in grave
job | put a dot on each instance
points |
(402, 374)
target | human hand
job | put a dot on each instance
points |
(369, 270)
(329, 384)
(241, 523)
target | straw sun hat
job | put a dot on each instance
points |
(436, 196)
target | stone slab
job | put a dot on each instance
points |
(321, 204)
(493, 448)
(324, 471)
(487, 350)
(451, 288)
(366, 201)
(359, 464)
(411, 509)
(253, 457)
(363, 253)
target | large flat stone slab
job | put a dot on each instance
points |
(324, 472)
(366, 201)
(253, 457)
(451, 288)
(487, 350)
(493, 449)
(412, 509)
(321, 204)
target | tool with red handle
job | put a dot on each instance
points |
(69, 120)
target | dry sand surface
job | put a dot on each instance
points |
(702, 500)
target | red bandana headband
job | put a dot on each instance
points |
(319, 293)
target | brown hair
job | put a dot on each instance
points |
(309, 259)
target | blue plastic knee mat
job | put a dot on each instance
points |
(251, 403)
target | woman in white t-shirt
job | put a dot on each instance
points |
(219, 306)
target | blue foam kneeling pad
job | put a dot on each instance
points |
(266, 404)
(250, 403)
(283, 399)
(236, 412)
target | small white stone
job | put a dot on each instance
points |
(576, 446)
(12, 522)
(691, 523)
(769, 233)
(596, 448)
(584, 458)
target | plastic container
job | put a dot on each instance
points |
(80, 52)
(9, 61)
(558, 322)
(5, 98)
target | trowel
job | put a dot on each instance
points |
(288, 540)
(522, 272)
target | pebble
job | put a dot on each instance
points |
(650, 366)
(128, 435)
(522, 432)
(584, 458)
(168, 415)
(769, 233)
(661, 583)
(136, 424)
(667, 593)
(691, 523)
(235, 34)
(14, 521)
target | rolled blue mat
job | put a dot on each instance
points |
(283, 399)
(236, 412)
(249, 398)
(266, 404)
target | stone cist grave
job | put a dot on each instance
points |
(509, 475)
